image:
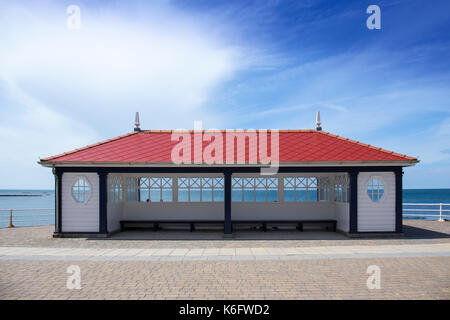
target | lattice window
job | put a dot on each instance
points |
(324, 188)
(155, 189)
(341, 188)
(300, 189)
(200, 189)
(115, 189)
(254, 189)
(131, 187)
(81, 190)
(375, 189)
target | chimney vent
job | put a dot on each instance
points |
(137, 123)
(318, 123)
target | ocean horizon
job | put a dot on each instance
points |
(45, 199)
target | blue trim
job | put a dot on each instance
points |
(202, 169)
(353, 175)
(58, 199)
(398, 200)
(228, 228)
(103, 202)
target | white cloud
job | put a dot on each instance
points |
(62, 88)
(110, 61)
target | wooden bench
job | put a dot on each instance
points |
(299, 223)
(156, 223)
(263, 223)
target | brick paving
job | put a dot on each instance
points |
(416, 232)
(338, 269)
(401, 278)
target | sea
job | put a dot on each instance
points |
(45, 200)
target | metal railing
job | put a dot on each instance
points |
(24, 217)
(431, 209)
(421, 210)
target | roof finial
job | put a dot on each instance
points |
(137, 123)
(318, 123)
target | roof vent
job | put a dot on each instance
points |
(137, 123)
(318, 123)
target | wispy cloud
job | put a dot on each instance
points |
(232, 64)
(64, 88)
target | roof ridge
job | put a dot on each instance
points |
(369, 146)
(88, 146)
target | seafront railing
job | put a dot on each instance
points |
(425, 210)
(40, 216)
(33, 218)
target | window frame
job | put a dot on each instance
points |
(131, 188)
(341, 188)
(115, 188)
(383, 185)
(200, 183)
(259, 183)
(152, 183)
(89, 184)
(303, 183)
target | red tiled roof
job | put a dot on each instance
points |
(155, 146)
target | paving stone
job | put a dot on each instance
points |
(416, 232)
(302, 266)
(402, 278)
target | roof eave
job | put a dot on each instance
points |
(397, 163)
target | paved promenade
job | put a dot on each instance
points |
(309, 265)
(401, 278)
(255, 253)
(416, 232)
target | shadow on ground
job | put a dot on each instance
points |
(167, 234)
(412, 230)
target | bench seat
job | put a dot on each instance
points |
(263, 223)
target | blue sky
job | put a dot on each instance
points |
(232, 64)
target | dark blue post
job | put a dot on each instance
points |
(399, 200)
(58, 204)
(103, 201)
(228, 229)
(353, 175)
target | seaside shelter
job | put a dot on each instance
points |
(229, 179)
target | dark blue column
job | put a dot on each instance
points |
(58, 204)
(228, 228)
(399, 200)
(103, 202)
(353, 177)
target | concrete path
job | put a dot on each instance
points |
(259, 253)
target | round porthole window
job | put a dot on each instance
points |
(81, 190)
(375, 189)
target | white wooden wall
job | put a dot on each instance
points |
(80, 217)
(342, 210)
(173, 211)
(376, 216)
(239, 211)
(115, 210)
(282, 211)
